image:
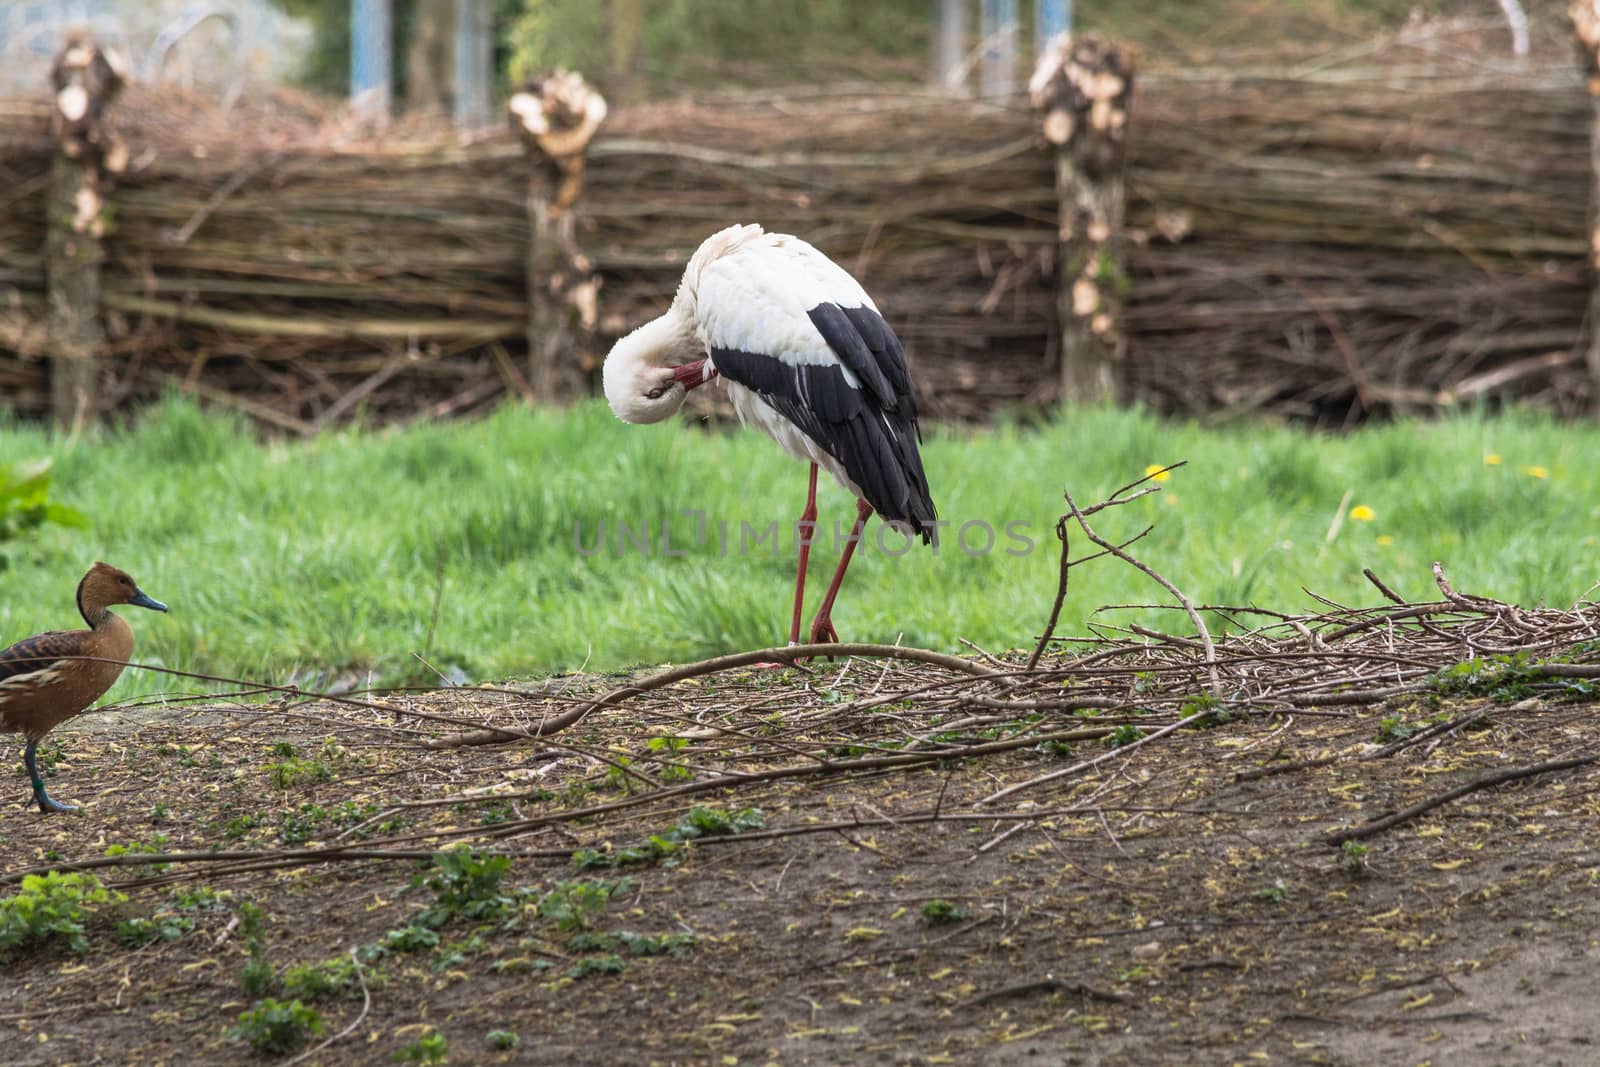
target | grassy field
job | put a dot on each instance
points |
(330, 559)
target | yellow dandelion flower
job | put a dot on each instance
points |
(1491, 459)
(1157, 472)
(1362, 513)
(1385, 539)
(1536, 472)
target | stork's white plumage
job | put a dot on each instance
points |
(807, 359)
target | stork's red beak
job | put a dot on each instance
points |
(692, 375)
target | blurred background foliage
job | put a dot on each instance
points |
(641, 48)
(630, 44)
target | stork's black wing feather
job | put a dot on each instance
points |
(869, 426)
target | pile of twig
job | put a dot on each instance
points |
(1320, 241)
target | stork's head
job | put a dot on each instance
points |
(649, 372)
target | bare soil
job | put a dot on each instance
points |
(1176, 902)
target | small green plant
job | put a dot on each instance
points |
(202, 898)
(708, 822)
(257, 977)
(328, 980)
(618, 778)
(163, 926)
(294, 772)
(1395, 728)
(457, 953)
(1504, 679)
(299, 826)
(677, 944)
(1205, 710)
(465, 883)
(431, 1049)
(666, 746)
(1125, 734)
(573, 906)
(152, 845)
(52, 907)
(699, 822)
(596, 965)
(241, 825)
(404, 939)
(940, 912)
(274, 1027)
(1276, 893)
(502, 1039)
(494, 814)
(652, 851)
(1353, 857)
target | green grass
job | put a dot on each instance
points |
(310, 560)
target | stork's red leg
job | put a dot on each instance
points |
(822, 627)
(805, 530)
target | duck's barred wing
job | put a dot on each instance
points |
(37, 654)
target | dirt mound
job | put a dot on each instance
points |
(1364, 836)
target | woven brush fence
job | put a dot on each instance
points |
(1359, 241)
(25, 150)
(1318, 246)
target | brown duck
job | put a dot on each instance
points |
(41, 683)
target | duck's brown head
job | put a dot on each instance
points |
(106, 585)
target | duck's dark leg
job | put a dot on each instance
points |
(822, 630)
(47, 804)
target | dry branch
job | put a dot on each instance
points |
(1510, 774)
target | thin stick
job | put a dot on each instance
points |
(1049, 983)
(1510, 774)
(781, 654)
(1150, 572)
(1338, 517)
(1061, 594)
(1077, 767)
(1384, 589)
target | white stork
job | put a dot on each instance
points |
(807, 360)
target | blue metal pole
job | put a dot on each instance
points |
(999, 33)
(371, 55)
(474, 56)
(950, 46)
(1051, 18)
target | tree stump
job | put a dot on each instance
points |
(85, 79)
(1082, 87)
(1585, 15)
(556, 117)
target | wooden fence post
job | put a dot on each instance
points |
(86, 79)
(557, 116)
(1082, 86)
(1585, 15)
